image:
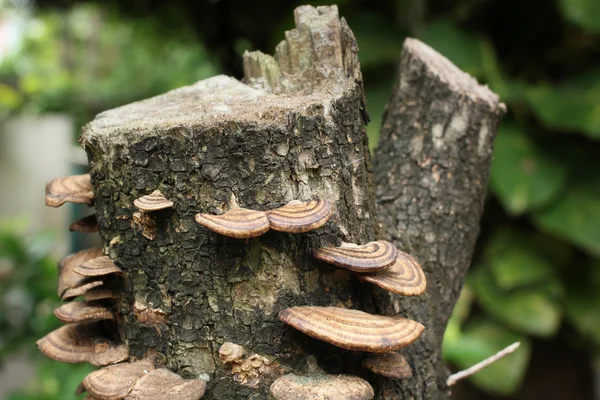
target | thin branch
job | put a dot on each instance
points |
(452, 379)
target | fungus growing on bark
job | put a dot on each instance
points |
(98, 293)
(80, 290)
(321, 387)
(353, 329)
(300, 217)
(67, 277)
(87, 224)
(392, 365)
(239, 223)
(98, 266)
(153, 202)
(116, 381)
(82, 342)
(161, 384)
(369, 257)
(77, 311)
(75, 188)
(404, 277)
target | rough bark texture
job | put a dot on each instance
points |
(431, 171)
(296, 131)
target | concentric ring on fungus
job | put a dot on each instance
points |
(74, 189)
(369, 257)
(404, 277)
(98, 266)
(153, 202)
(300, 217)
(353, 329)
(239, 223)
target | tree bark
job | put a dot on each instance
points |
(431, 172)
(296, 131)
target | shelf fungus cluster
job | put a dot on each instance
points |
(243, 223)
(90, 332)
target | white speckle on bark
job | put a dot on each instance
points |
(484, 133)
(437, 135)
(458, 126)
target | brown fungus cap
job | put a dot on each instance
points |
(239, 223)
(98, 293)
(67, 277)
(80, 290)
(162, 384)
(98, 266)
(82, 342)
(404, 277)
(300, 217)
(87, 224)
(370, 257)
(153, 202)
(353, 329)
(321, 387)
(77, 311)
(116, 381)
(75, 189)
(391, 365)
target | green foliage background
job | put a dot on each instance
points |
(536, 275)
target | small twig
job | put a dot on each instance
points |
(452, 379)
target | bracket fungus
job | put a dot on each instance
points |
(404, 277)
(87, 224)
(98, 266)
(391, 365)
(239, 223)
(161, 384)
(98, 293)
(353, 329)
(78, 311)
(321, 387)
(153, 202)
(300, 217)
(80, 290)
(116, 381)
(74, 188)
(82, 342)
(67, 278)
(369, 257)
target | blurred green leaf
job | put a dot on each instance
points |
(515, 260)
(585, 13)
(481, 339)
(575, 217)
(531, 311)
(523, 176)
(572, 106)
(463, 49)
(460, 312)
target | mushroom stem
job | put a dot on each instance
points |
(452, 379)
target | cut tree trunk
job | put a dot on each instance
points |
(295, 130)
(431, 171)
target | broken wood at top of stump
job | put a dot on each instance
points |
(295, 130)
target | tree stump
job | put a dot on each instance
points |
(295, 130)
